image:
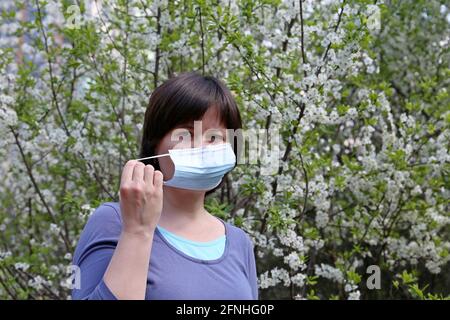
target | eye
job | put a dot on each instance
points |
(181, 134)
(216, 137)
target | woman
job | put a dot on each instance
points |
(159, 241)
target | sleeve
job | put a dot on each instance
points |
(94, 252)
(253, 278)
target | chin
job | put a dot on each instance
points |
(184, 191)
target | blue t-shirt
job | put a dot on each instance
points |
(172, 273)
(201, 250)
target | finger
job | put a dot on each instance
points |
(127, 172)
(158, 179)
(148, 174)
(138, 172)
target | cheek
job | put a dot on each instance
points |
(167, 167)
(165, 163)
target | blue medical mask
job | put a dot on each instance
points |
(200, 168)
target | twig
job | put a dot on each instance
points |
(36, 187)
(202, 39)
(325, 56)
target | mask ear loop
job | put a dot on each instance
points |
(158, 156)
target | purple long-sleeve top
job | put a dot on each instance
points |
(172, 274)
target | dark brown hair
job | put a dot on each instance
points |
(183, 99)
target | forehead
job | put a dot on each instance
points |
(210, 120)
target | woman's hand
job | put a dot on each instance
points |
(141, 198)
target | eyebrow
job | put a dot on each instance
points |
(190, 126)
(185, 125)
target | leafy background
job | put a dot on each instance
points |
(362, 111)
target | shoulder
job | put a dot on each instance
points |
(239, 234)
(103, 226)
(242, 244)
(105, 216)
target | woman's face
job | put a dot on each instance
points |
(208, 130)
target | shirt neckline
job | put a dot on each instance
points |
(191, 242)
(181, 253)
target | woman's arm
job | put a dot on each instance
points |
(126, 275)
(94, 251)
(141, 205)
(253, 277)
(128, 261)
(91, 267)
